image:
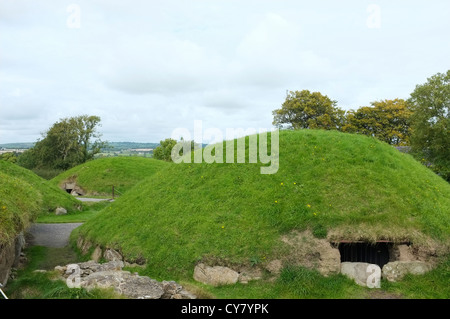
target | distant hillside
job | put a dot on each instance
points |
(112, 146)
(17, 145)
(118, 146)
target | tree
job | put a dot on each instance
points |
(85, 129)
(28, 159)
(306, 110)
(164, 150)
(430, 123)
(69, 142)
(9, 157)
(386, 120)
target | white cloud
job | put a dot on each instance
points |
(147, 67)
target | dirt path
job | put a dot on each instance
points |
(50, 235)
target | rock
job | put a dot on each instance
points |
(172, 290)
(10, 256)
(396, 270)
(184, 294)
(19, 245)
(216, 275)
(41, 271)
(112, 255)
(60, 269)
(91, 266)
(60, 211)
(141, 287)
(96, 254)
(364, 274)
(123, 282)
(134, 265)
(329, 258)
(110, 275)
(274, 267)
(405, 253)
(85, 246)
(311, 252)
(80, 242)
(249, 274)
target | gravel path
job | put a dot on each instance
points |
(86, 199)
(50, 235)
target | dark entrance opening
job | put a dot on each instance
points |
(69, 190)
(377, 253)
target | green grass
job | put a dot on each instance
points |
(32, 285)
(23, 196)
(52, 196)
(90, 210)
(293, 283)
(97, 177)
(302, 283)
(432, 285)
(19, 205)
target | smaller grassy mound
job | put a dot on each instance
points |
(98, 176)
(52, 196)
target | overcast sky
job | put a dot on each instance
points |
(148, 67)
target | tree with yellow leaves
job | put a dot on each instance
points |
(386, 120)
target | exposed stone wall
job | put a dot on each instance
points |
(9, 257)
(310, 252)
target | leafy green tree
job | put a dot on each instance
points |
(9, 157)
(28, 159)
(164, 150)
(386, 120)
(69, 142)
(89, 141)
(306, 110)
(430, 139)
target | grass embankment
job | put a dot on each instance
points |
(97, 177)
(341, 186)
(24, 196)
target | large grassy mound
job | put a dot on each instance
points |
(23, 195)
(98, 176)
(340, 186)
